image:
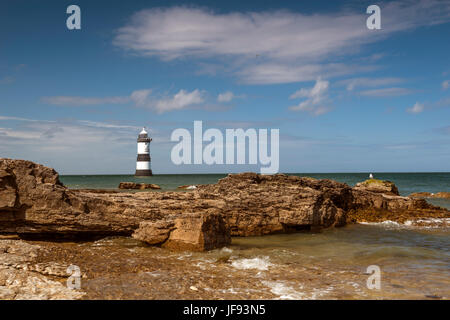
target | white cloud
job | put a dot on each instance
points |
(446, 84)
(281, 72)
(225, 97)
(315, 98)
(386, 92)
(272, 46)
(141, 98)
(21, 119)
(179, 101)
(354, 83)
(81, 146)
(417, 108)
(83, 101)
(7, 80)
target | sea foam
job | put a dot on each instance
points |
(259, 263)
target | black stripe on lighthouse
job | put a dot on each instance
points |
(143, 157)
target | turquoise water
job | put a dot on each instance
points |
(406, 182)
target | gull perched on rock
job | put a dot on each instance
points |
(370, 176)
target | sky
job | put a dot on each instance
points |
(344, 98)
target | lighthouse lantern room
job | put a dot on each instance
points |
(143, 154)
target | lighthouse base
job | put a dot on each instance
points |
(143, 173)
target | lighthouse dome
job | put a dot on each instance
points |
(143, 136)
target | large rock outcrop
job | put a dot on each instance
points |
(196, 232)
(34, 204)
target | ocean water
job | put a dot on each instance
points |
(407, 183)
(414, 263)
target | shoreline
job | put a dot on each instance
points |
(123, 268)
(266, 237)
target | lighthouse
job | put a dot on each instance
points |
(143, 154)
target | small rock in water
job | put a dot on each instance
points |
(187, 187)
(141, 186)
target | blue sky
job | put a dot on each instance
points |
(345, 98)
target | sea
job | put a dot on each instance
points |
(338, 263)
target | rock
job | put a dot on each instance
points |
(34, 204)
(378, 186)
(196, 232)
(443, 195)
(187, 187)
(154, 232)
(141, 186)
(21, 278)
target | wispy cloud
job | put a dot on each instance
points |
(446, 84)
(180, 100)
(7, 80)
(316, 97)
(272, 46)
(22, 119)
(386, 92)
(83, 101)
(282, 72)
(443, 130)
(76, 144)
(417, 108)
(355, 83)
(144, 98)
(225, 97)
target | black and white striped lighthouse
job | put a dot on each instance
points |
(143, 154)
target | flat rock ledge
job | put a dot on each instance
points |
(34, 204)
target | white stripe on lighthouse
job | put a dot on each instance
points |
(142, 165)
(142, 147)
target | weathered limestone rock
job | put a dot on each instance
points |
(378, 186)
(22, 278)
(34, 204)
(154, 232)
(141, 186)
(196, 232)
